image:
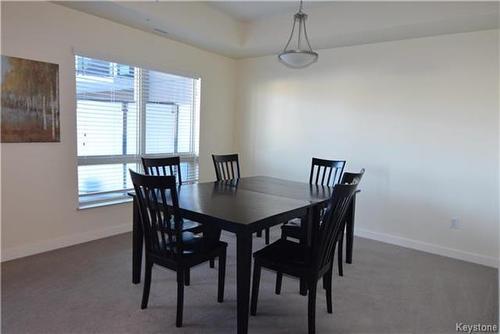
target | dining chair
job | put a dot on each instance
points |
(167, 245)
(351, 213)
(308, 263)
(347, 178)
(227, 167)
(326, 172)
(165, 166)
(323, 173)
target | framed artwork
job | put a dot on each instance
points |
(30, 101)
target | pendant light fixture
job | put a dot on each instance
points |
(299, 54)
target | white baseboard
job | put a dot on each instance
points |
(52, 244)
(428, 247)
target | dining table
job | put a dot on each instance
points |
(243, 206)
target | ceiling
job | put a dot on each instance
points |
(247, 11)
(240, 29)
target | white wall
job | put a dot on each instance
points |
(420, 115)
(39, 180)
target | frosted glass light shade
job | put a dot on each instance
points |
(298, 58)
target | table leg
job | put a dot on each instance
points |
(350, 229)
(137, 238)
(305, 224)
(244, 266)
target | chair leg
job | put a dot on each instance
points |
(350, 230)
(267, 236)
(147, 285)
(222, 277)
(279, 279)
(324, 276)
(180, 297)
(212, 263)
(187, 277)
(327, 280)
(311, 308)
(303, 287)
(255, 289)
(339, 254)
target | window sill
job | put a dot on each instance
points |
(100, 200)
(92, 205)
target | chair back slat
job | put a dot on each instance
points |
(227, 167)
(322, 171)
(159, 213)
(169, 166)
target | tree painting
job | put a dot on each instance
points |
(30, 101)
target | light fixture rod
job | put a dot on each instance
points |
(298, 56)
(307, 38)
(291, 35)
(300, 31)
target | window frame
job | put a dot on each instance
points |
(98, 199)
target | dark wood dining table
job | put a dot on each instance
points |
(242, 206)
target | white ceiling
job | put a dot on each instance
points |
(242, 29)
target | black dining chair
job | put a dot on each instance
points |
(167, 245)
(227, 167)
(308, 263)
(347, 178)
(323, 173)
(165, 166)
(351, 213)
(169, 166)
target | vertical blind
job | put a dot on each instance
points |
(125, 112)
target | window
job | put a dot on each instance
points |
(124, 112)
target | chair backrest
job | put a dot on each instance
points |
(326, 172)
(333, 222)
(227, 167)
(158, 205)
(349, 177)
(163, 167)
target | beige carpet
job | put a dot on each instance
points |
(388, 289)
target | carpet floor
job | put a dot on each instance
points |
(388, 289)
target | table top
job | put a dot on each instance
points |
(248, 203)
(285, 188)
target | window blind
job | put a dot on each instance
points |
(125, 112)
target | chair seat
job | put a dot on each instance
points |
(292, 229)
(294, 222)
(284, 254)
(187, 225)
(195, 244)
(191, 242)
